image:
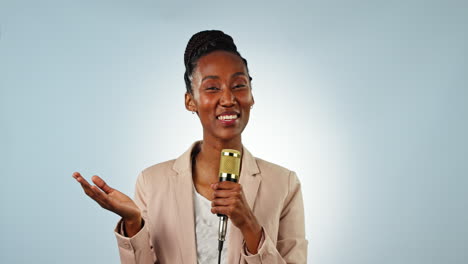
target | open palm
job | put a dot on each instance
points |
(108, 198)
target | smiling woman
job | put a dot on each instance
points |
(221, 95)
(168, 221)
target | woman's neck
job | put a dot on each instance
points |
(211, 150)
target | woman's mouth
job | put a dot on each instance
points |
(228, 119)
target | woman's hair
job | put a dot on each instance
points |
(203, 43)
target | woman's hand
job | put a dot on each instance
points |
(229, 199)
(114, 201)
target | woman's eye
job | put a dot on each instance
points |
(239, 86)
(212, 88)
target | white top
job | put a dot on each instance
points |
(206, 231)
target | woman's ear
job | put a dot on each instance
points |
(190, 102)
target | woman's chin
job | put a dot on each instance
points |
(228, 136)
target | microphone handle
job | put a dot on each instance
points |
(221, 179)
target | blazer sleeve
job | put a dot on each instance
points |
(137, 249)
(291, 246)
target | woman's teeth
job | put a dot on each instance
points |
(227, 117)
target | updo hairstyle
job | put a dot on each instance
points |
(203, 43)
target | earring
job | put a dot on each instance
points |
(251, 106)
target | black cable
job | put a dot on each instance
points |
(220, 248)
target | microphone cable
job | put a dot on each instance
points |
(220, 248)
(221, 235)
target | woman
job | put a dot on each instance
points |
(170, 220)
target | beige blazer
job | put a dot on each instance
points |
(164, 194)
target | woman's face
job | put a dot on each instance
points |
(222, 95)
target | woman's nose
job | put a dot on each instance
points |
(227, 98)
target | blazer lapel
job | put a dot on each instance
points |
(250, 180)
(183, 192)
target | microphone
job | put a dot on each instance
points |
(229, 167)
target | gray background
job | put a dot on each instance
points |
(365, 100)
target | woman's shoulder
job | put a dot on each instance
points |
(277, 179)
(159, 171)
(273, 171)
(162, 166)
(270, 166)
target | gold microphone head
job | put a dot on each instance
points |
(229, 165)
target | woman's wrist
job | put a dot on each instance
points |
(252, 232)
(132, 226)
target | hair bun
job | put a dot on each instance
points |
(201, 40)
(203, 43)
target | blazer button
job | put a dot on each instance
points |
(126, 245)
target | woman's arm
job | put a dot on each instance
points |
(291, 246)
(137, 247)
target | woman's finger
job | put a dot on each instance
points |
(225, 185)
(223, 194)
(80, 179)
(225, 210)
(222, 202)
(100, 197)
(93, 193)
(101, 184)
(88, 188)
(76, 174)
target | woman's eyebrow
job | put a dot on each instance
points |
(217, 77)
(237, 74)
(210, 77)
